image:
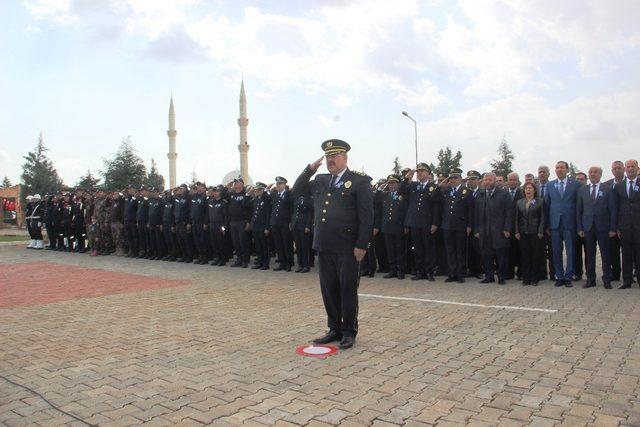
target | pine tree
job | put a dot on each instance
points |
(503, 165)
(125, 168)
(88, 181)
(154, 179)
(397, 167)
(447, 160)
(573, 170)
(194, 178)
(38, 174)
(6, 183)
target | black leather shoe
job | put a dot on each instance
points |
(245, 265)
(568, 284)
(418, 277)
(347, 342)
(237, 264)
(450, 279)
(430, 277)
(256, 266)
(330, 336)
(278, 268)
(607, 285)
(264, 267)
(589, 285)
(624, 286)
(298, 270)
(307, 269)
(487, 281)
(501, 282)
(287, 268)
(390, 275)
(401, 275)
(558, 283)
(460, 279)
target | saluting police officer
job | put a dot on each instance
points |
(343, 224)
(422, 218)
(182, 218)
(280, 221)
(240, 207)
(457, 219)
(218, 225)
(198, 219)
(260, 225)
(394, 210)
(302, 223)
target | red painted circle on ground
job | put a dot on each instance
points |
(313, 350)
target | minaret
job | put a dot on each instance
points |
(243, 147)
(172, 155)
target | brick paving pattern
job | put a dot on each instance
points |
(216, 345)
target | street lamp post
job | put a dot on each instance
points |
(415, 128)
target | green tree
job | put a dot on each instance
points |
(447, 160)
(6, 183)
(88, 181)
(573, 170)
(503, 165)
(154, 179)
(397, 167)
(125, 168)
(38, 174)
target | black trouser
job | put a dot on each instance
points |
(593, 238)
(241, 243)
(68, 233)
(532, 247)
(80, 234)
(53, 237)
(494, 260)
(200, 239)
(547, 265)
(630, 242)
(59, 230)
(424, 244)
(614, 252)
(284, 244)
(185, 241)
(368, 264)
(217, 243)
(261, 243)
(515, 266)
(339, 280)
(36, 232)
(474, 256)
(578, 259)
(396, 253)
(303, 246)
(143, 238)
(455, 242)
(170, 241)
(131, 236)
(381, 253)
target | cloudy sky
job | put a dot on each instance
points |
(559, 79)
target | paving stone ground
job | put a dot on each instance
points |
(149, 342)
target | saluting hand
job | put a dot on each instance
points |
(409, 175)
(315, 165)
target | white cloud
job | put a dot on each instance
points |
(343, 101)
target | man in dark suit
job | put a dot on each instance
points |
(580, 253)
(343, 225)
(617, 170)
(596, 222)
(281, 206)
(560, 202)
(423, 218)
(493, 223)
(547, 265)
(515, 193)
(457, 221)
(394, 209)
(627, 194)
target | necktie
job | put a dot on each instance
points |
(542, 188)
(593, 192)
(630, 188)
(333, 181)
(561, 188)
(393, 195)
(421, 186)
(513, 194)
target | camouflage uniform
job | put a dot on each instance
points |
(104, 228)
(89, 221)
(116, 212)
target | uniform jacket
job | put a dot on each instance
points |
(261, 215)
(198, 208)
(281, 208)
(343, 215)
(394, 211)
(240, 207)
(218, 211)
(302, 213)
(182, 209)
(142, 215)
(425, 205)
(457, 209)
(130, 209)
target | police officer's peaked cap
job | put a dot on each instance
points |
(185, 186)
(261, 185)
(142, 188)
(455, 172)
(281, 180)
(473, 174)
(219, 188)
(335, 146)
(423, 167)
(382, 180)
(393, 178)
(130, 186)
(443, 175)
(405, 171)
(238, 179)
